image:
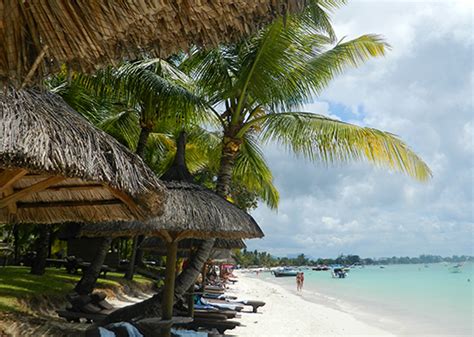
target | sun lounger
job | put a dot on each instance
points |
(75, 316)
(219, 296)
(227, 313)
(222, 300)
(254, 304)
(188, 333)
(222, 305)
(148, 327)
(219, 325)
(92, 308)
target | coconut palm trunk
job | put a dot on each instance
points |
(152, 306)
(185, 280)
(39, 264)
(230, 148)
(16, 245)
(87, 283)
(137, 254)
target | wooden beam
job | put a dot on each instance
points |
(75, 187)
(9, 177)
(182, 235)
(12, 209)
(166, 235)
(29, 190)
(69, 203)
(127, 200)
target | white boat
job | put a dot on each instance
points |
(282, 272)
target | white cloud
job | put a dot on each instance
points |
(422, 91)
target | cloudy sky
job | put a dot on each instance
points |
(423, 92)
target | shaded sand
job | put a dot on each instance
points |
(288, 314)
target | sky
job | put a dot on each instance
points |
(422, 91)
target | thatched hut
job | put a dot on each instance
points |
(42, 35)
(56, 167)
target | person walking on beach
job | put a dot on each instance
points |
(301, 280)
(298, 281)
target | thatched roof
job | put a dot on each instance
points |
(202, 213)
(191, 210)
(157, 245)
(86, 34)
(57, 167)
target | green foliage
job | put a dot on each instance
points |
(260, 83)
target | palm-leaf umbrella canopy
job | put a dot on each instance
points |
(190, 211)
(157, 245)
(43, 35)
(56, 167)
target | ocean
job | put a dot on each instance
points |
(409, 300)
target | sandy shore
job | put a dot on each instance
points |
(288, 314)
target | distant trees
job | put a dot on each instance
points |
(263, 259)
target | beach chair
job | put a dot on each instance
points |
(91, 308)
(209, 324)
(148, 327)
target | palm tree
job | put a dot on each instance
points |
(128, 102)
(260, 83)
(255, 90)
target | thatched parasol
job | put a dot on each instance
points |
(190, 211)
(158, 246)
(40, 36)
(56, 167)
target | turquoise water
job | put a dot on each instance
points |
(404, 299)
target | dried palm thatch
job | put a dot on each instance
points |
(157, 245)
(44, 35)
(201, 213)
(190, 211)
(56, 167)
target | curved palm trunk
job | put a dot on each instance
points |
(39, 264)
(142, 140)
(230, 149)
(131, 266)
(152, 306)
(137, 254)
(89, 278)
(16, 245)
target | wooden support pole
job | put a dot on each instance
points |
(168, 293)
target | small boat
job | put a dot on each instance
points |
(321, 268)
(284, 272)
(456, 268)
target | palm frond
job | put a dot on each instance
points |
(320, 138)
(123, 125)
(252, 172)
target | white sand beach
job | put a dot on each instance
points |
(288, 314)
